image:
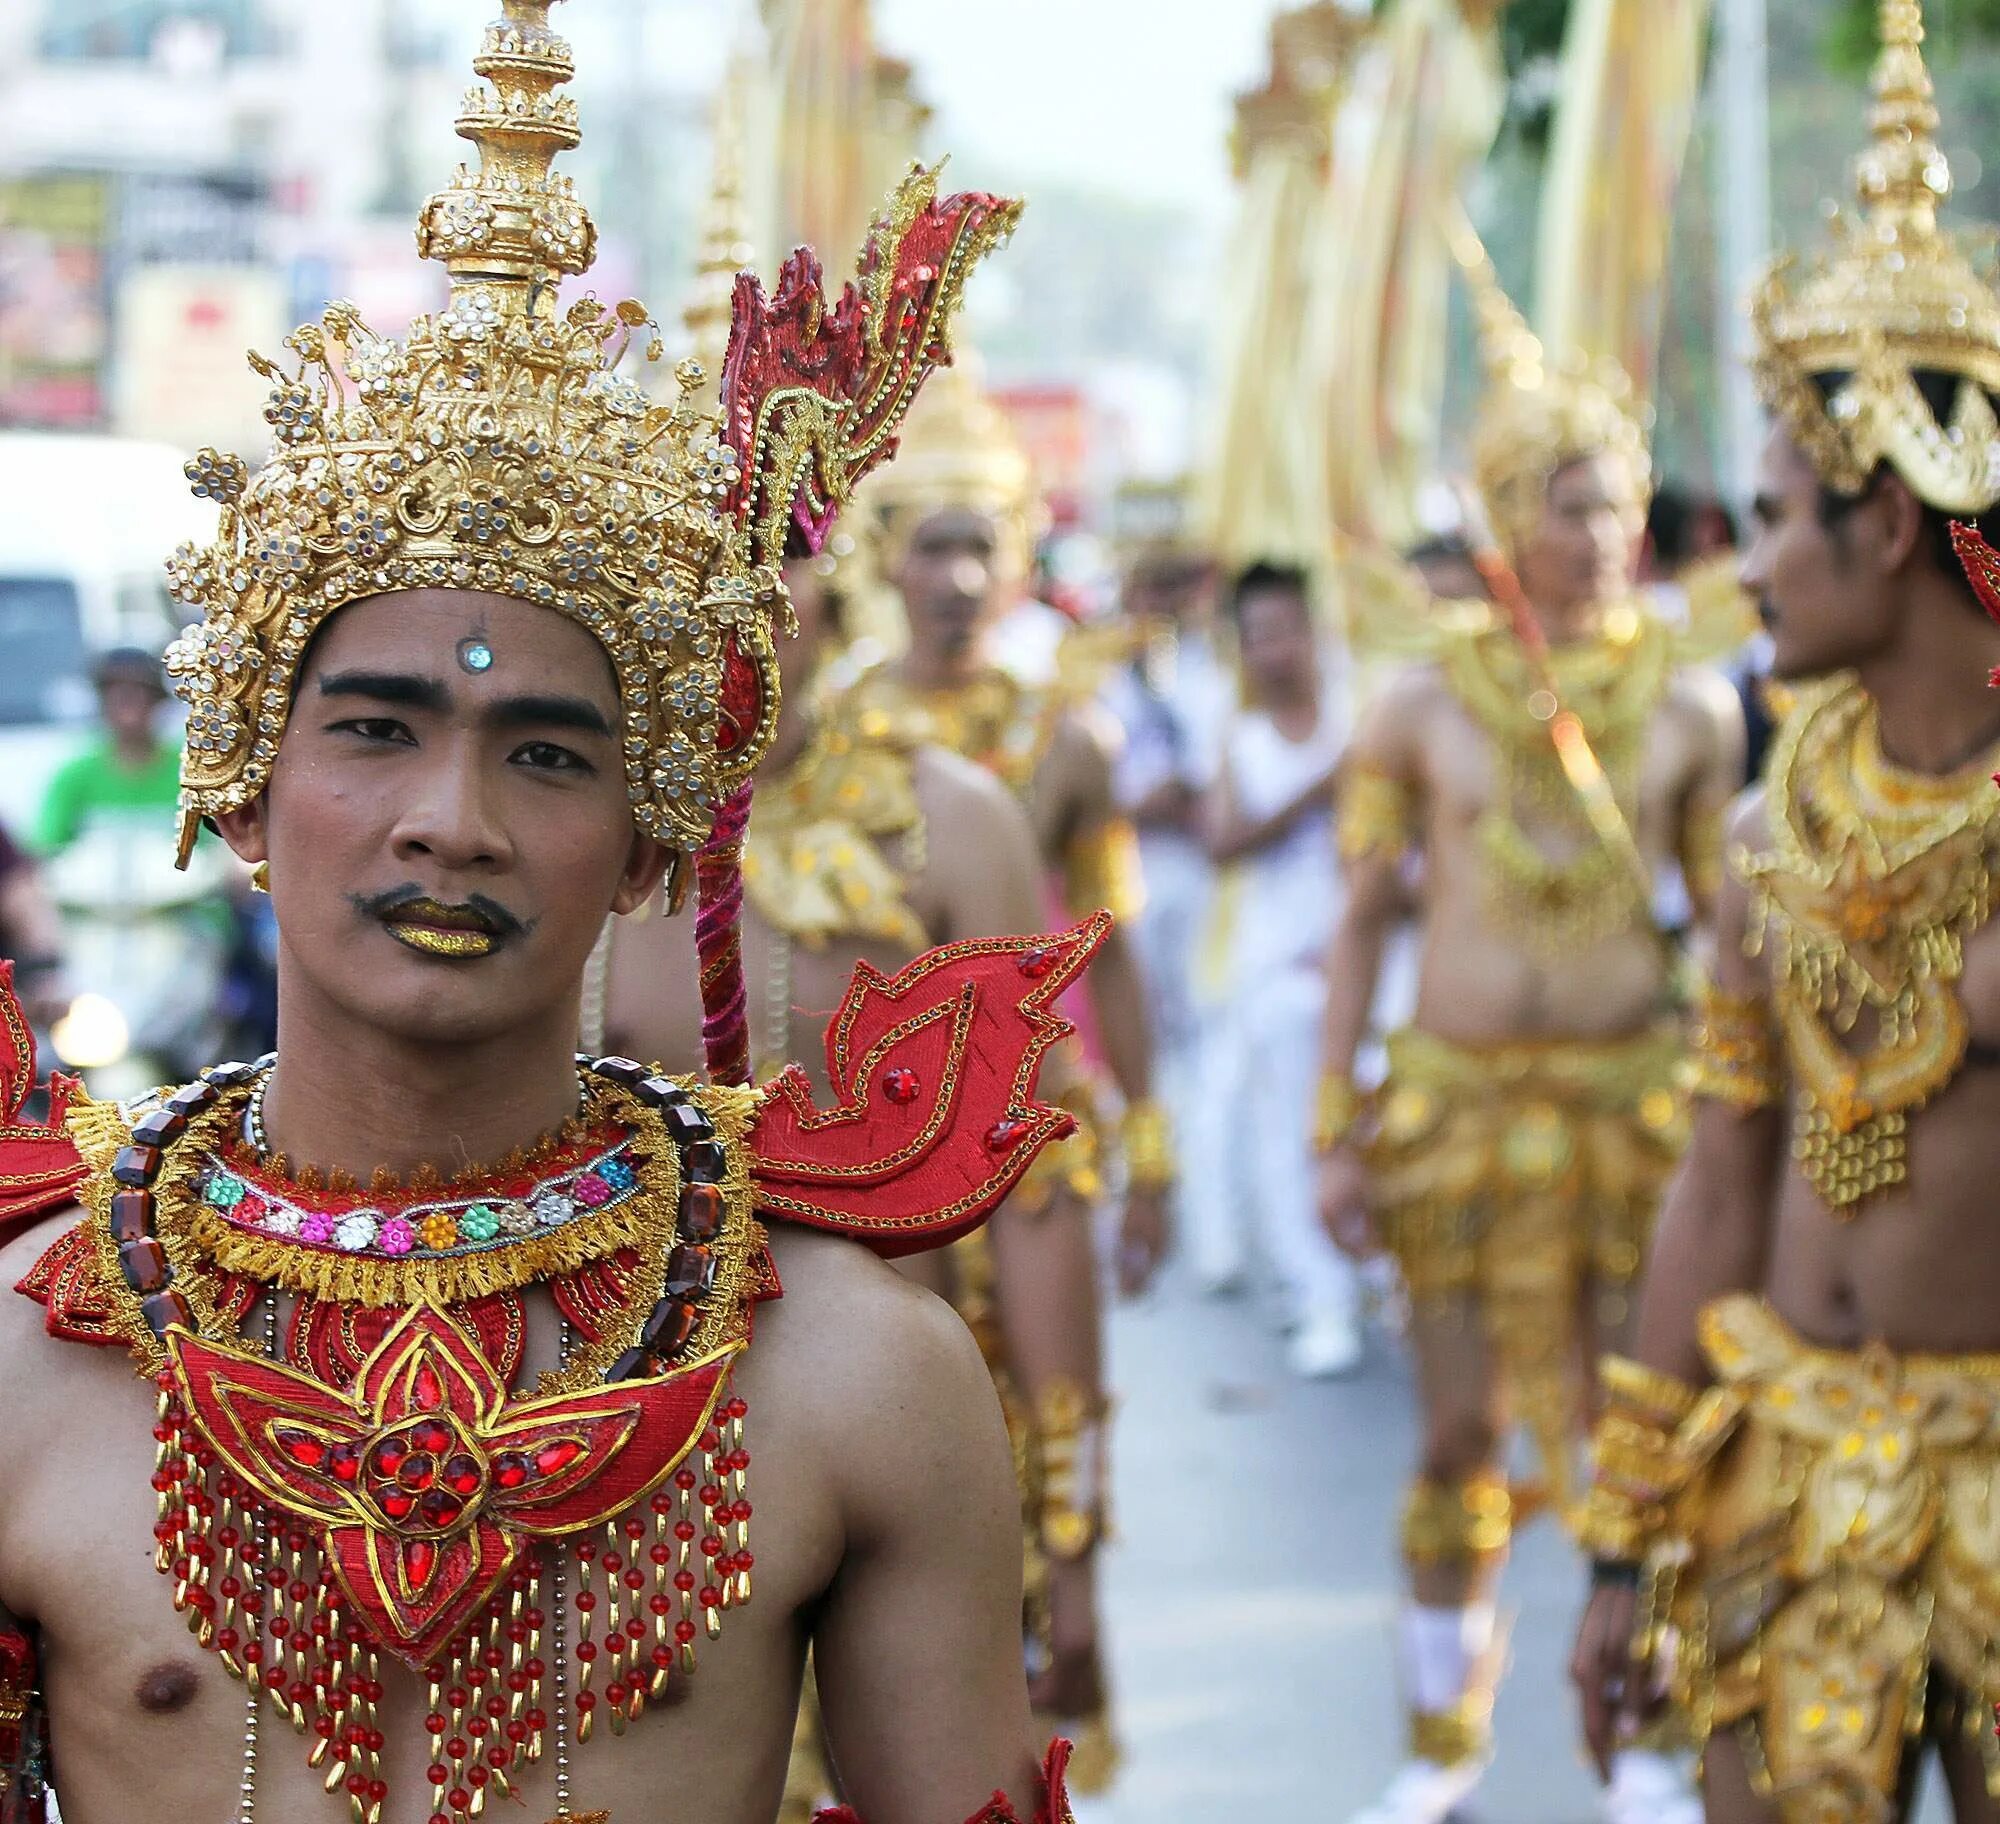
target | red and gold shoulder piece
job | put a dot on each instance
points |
(40, 1168)
(934, 1069)
(1051, 1804)
(64, 1281)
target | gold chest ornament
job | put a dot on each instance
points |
(1613, 682)
(1874, 879)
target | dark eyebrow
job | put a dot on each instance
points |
(406, 688)
(577, 713)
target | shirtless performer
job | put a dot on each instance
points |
(1796, 1470)
(952, 531)
(449, 1460)
(1513, 1156)
(869, 842)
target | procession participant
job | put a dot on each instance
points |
(1169, 694)
(1795, 1470)
(448, 1461)
(1270, 827)
(951, 526)
(869, 843)
(1513, 1157)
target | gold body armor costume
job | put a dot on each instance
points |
(1835, 1550)
(1519, 1178)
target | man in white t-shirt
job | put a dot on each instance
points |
(1269, 825)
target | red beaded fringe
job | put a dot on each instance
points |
(256, 1589)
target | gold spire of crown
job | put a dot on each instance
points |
(1841, 339)
(497, 446)
(1536, 416)
(514, 223)
(959, 450)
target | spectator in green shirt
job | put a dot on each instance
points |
(128, 771)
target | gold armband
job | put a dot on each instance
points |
(1736, 1050)
(1072, 1443)
(1337, 1109)
(1146, 1136)
(1375, 816)
(1101, 868)
(1702, 854)
(1636, 1464)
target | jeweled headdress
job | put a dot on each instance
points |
(1538, 414)
(959, 450)
(498, 446)
(1841, 339)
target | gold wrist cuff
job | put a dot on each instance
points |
(1649, 1392)
(1637, 1460)
(1337, 1110)
(1146, 1134)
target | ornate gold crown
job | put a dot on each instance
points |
(497, 447)
(958, 450)
(1537, 415)
(1841, 340)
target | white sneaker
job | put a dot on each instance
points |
(1325, 1346)
(1424, 1793)
(1649, 1788)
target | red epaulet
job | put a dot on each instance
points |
(934, 1069)
(40, 1168)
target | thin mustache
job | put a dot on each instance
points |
(411, 897)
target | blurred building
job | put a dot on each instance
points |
(182, 179)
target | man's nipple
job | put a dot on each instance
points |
(167, 1687)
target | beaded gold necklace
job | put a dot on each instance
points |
(993, 719)
(1874, 879)
(1613, 681)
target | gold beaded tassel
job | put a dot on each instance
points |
(661, 1602)
(736, 1585)
(585, 1650)
(714, 1515)
(685, 1533)
(530, 1659)
(616, 1696)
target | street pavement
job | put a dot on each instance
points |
(1250, 1596)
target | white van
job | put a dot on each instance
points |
(83, 545)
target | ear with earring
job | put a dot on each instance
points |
(260, 878)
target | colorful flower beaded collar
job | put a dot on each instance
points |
(422, 1225)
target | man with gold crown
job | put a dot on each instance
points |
(1794, 1520)
(1513, 1156)
(446, 1463)
(951, 532)
(1026, 1289)
(869, 842)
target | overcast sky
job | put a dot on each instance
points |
(1130, 94)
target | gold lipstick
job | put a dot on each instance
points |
(432, 929)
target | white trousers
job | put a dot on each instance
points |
(1251, 1166)
(1179, 887)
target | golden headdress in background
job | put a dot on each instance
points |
(958, 450)
(497, 447)
(1840, 340)
(1538, 415)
